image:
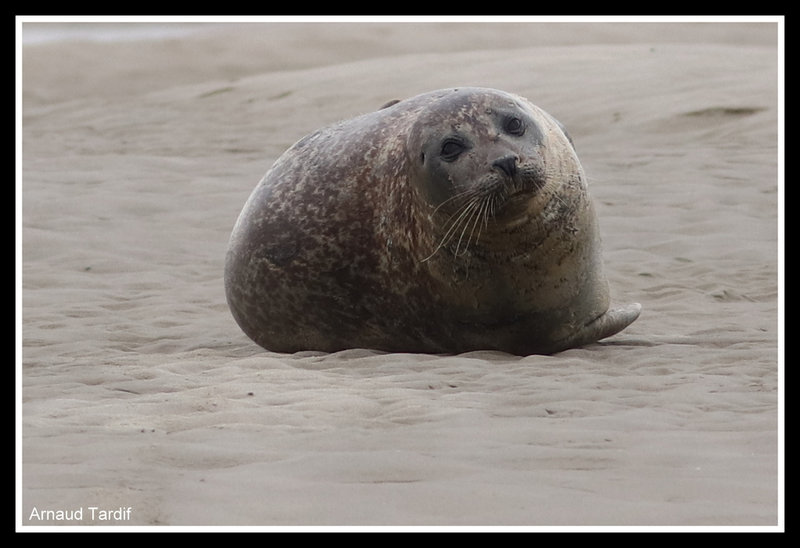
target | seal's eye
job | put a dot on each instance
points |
(452, 149)
(514, 126)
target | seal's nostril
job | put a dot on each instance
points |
(507, 165)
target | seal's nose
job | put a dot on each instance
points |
(506, 164)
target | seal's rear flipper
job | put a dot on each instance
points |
(610, 323)
(614, 321)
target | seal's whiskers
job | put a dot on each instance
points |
(460, 219)
(469, 221)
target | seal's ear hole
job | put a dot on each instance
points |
(421, 157)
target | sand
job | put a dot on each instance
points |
(143, 404)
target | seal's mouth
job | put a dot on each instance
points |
(512, 194)
(513, 204)
(518, 197)
(523, 191)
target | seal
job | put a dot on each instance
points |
(453, 221)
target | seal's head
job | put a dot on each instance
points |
(487, 160)
(488, 151)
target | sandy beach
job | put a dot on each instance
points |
(143, 403)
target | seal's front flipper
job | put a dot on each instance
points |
(610, 323)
